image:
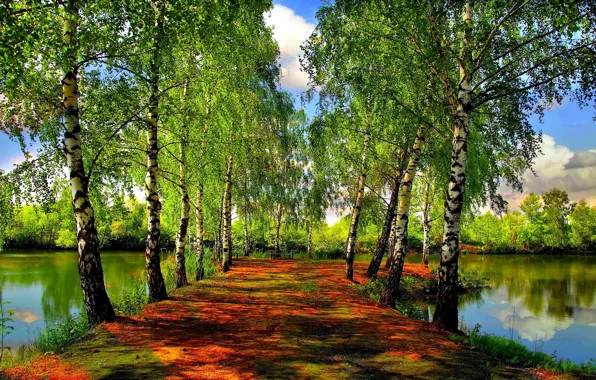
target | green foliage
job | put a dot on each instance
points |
(6, 207)
(5, 325)
(583, 226)
(472, 279)
(469, 279)
(406, 305)
(548, 222)
(515, 353)
(61, 332)
(133, 298)
(372, 289)
(121, 225)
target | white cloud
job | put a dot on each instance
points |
(559, 166)
(290, 30)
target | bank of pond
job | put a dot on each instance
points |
(546, 303)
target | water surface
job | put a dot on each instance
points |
(548, 303)
(42, 286)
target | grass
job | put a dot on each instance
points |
(516, 354)
(343, 338)
(134, 297)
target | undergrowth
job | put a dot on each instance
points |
(514, 353)
(61, 332)
(406, 305)
(134, 297)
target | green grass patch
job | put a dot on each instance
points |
(514, 353)
(103, 357)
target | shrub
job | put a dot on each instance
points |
(61, 332)
(133, 298)
(406, 305)
(372, 290)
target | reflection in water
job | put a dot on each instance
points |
(42, 286)
(546, 302)
(26, 316)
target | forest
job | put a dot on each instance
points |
(163, 126)
(544, 224)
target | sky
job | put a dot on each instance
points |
(569, 133)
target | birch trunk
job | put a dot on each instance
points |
(446, 314)
(227, 217)
(95, 298)
(350, 250)
(181, 279)
(200, 221)
(426, 224)
(219, 235)
(277, 229)
(392, 242)
(155, 282)
(309, 245)
(375, 262)
(391, 290)
(246, 240)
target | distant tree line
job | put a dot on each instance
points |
(547, 223)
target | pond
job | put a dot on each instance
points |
(42, 286)
(547, 303)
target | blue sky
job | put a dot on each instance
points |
(569, 160)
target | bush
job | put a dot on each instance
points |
(133, 298)
(372, 290)
(406, 305)
(61, 332)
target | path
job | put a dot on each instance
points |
(278, 319)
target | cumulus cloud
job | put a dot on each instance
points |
(583, 159)
(290, 30)
(560, 167)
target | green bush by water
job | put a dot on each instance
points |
(133, 298)
(61, 332)
(472, 279)
(406, 304)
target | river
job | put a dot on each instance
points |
(548, 303)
